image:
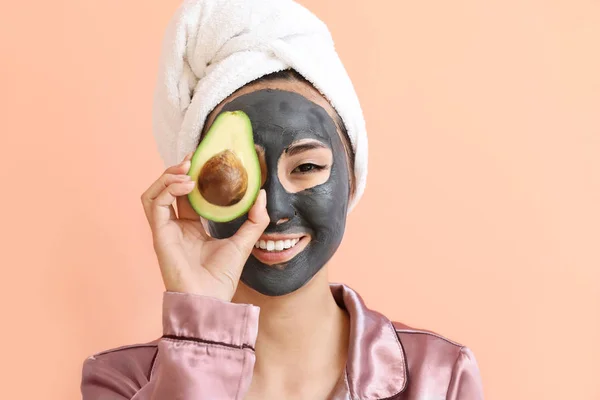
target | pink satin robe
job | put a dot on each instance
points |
(207, 353)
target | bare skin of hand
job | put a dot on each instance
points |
(190, 260)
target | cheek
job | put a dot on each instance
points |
(324, 206)
(263, 164)
(222, 230)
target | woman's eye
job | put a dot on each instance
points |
(304, 168)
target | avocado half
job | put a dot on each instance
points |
(226, 168)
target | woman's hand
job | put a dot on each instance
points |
(190, 260)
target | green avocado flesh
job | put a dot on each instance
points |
(226, 169)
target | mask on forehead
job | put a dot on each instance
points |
(280, 118)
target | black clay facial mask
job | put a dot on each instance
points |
(280, 118)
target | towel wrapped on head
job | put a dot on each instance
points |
(211, 48)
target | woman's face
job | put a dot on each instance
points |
(305, 175)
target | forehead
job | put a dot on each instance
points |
(275, 109)
(303, 88)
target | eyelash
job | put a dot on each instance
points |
(313, 168)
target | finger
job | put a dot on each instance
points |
(162, 207)
(157, 187)
(188, 157)
(180, 168)
(185, 209)
(254, 226)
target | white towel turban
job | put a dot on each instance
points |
(211, 48)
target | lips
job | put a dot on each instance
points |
(277, 249)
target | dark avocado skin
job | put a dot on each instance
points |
(279, 118)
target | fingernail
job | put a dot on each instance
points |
(264, 197)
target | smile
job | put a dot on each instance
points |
(276, 245)
(272, 250)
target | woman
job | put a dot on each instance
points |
(248, 311)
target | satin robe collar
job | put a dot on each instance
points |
(376, 368)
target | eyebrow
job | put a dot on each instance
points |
(301, 147)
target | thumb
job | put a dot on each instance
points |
(255, 225)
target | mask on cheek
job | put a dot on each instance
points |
(280, 118)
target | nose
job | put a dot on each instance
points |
(279, 205)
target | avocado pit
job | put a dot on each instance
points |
(223, 180)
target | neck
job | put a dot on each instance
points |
(304, 328)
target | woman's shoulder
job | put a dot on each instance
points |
(429, 347)
(118, 372)
(132, 359)
(424, 335)
(426, 351)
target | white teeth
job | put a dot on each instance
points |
(276, 245)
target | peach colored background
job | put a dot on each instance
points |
(481, 219)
